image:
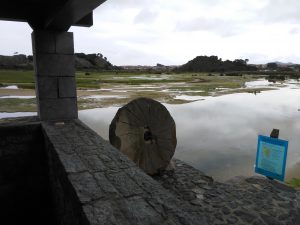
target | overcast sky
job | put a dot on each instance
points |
(146, 32)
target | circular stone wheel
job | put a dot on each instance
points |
(145, 131)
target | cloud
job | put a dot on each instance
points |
(216, 25)
(281, 11)
(295, 30)
(15, 37)
(124, 4)
(146, 16)
(151, 31)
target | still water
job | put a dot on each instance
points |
(218, 135)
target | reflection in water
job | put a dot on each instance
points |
(219, 135)
(4, 115)
(257, 83)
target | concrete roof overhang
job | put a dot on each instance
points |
(50, 14)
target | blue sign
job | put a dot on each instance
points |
(271, 157)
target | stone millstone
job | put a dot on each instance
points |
(145, 131)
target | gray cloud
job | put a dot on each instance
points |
(123, 4)
(221, 27)
(295, 30)
(280, 11)
(15, 37)
(146, 16)
(148, 31)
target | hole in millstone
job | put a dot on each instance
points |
(148, 135)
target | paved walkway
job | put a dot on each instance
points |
(253, 200)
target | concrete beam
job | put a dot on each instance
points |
(54, 14)
(74, 11)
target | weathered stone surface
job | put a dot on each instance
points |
(89, 186)
(270, 219)
(72, 163)
(54, 65)
(63, 108)
(138, 211)
(23, 175)
(86, 187)
(67, 87)
(43, 42)
(109, 189)
(144, 131)
(94, 163)
(125, 185)
(47, 87)
(238, 201)
(244, 215)
(64, 43)
(105, 212)
(112, 189)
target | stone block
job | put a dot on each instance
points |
(67, 87)
(47, 87)
(105, 185)
(43, 42)
(143, 180)
(72, 163)
(94, 163)
(64, 43)
(86, 187)
(104, 212)
(54, 64)
(124, 184)
(58, 109)
(138, 211)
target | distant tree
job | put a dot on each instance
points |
(30, 58)
(272, 66)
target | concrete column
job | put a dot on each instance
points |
(54, 66)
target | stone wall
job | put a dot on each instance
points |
(66, 174)
(66, 205)
(24, 192)
(93, 183)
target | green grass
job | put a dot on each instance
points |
(294, 183)
(199, 84)
(18, 105)
(16, 76)
(24, 79)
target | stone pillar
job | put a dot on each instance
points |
(54, 66)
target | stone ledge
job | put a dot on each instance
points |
(93, 183)
(128, 194)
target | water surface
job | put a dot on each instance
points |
(218, 135)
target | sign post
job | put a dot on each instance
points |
(271, 156)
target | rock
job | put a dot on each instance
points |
(232, 220)
(245, 215)
(270, 220)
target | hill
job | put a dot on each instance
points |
(82, 62)
(215, 64)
